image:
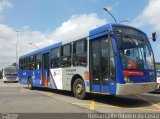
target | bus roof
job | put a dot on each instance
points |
(45, 49)
(103, 30)
(9, 67)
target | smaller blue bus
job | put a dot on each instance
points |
(113, 59)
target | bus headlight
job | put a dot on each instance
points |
(127, 79)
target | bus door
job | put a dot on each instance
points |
(45, 69)
(102, 65)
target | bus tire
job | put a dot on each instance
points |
(30, 83)
(79, 89)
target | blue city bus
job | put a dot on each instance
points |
(113, 59)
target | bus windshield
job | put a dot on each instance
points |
(135, 53)
(10, 70)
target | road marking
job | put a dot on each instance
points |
(10, 86)
(130, 108)
(49, 94)
(46, 93)
(22, 90)
(109, 106)
(92, 105)
(150, 102)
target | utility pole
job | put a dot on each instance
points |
(17, 31)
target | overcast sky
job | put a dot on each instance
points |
(44, 22)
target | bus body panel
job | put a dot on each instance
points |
(135, 88)
(56, 79)
(24, 76)
(60, 78)
(113, 87)
(36, 77)
(148, 76)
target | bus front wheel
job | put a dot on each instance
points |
(30, 83)
(79, 89)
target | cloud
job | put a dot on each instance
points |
(8, 39)
(149, 18)
(3, 5)
(150, 15)
(76, 27)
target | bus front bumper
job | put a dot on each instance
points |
(135, 88)
(10, 79)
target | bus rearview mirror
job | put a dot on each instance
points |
(154, 36)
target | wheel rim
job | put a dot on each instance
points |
(79, 89)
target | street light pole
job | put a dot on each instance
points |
(105, 9)
(17, 46)
(34, 45)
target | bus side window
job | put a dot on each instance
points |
(55, 57)
(66, 55)
(37, 65)
(105, 58)
(31, 66)
(21, 64)
(38, 59)
(80, 53)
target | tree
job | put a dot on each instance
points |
(14, 64)
(0, 74)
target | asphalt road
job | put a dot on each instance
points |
(17, 98)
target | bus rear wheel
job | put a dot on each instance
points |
(79, 89)
(30, 83)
